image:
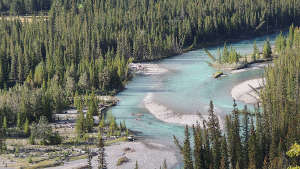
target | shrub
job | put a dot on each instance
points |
(122, 160)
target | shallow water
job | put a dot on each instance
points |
(187, 87)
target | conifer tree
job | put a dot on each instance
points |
(136, 165)
(19, 125)
(89, 120)
(214, 135)
(102, 123)
(4, 126)
(225, 158)
(165, 166)
(267, 51)
(80, 124)
(198, 147)
(255, 53)
(2, 141)
(101, 153)
(245, 136)
(26, 127)
(187, 154)
(252, 148)
(89, 159)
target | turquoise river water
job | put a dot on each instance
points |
(188, 86)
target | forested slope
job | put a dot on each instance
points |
(85, 45)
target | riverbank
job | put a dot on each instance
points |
(247, 91)
(147, 69)
(253, 66)
(167, 115)
(140, 151)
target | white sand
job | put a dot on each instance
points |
(167, 115)
(148, 155)
(147, 68)
(243, 92)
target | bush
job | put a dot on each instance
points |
(122, 160)
(54, 139)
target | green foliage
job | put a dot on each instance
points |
(136, 165)
(83, 47)
(229, 56)
(267, 51)
(19, 121)
(122, 160)
(26, 127)
(186, 151)
(89, 122)
(294, 151)
(43, 131)
(2, 141)
(39, 74)
(294, 154)
(80, 124)
(4, 125)
(102, 123)
(264, 144)
(280, 43)
(101, 153)
(31, 139)
(255, 54)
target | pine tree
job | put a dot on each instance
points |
(89, 159)
(80, 124)
(237, 166)
(245, 135)
(165, 166)
(234, 137)
(26, 127)
(77, 100)
(198, 147)
(112, 126)
(89, 120)
(19, 125)
(214, 135)
(225, 158)
(101, 153)
(102, 123)
(252, 150)
(136, 165)
(255, 54)
(4, 126)
(187, 155)
(2, 141)
(267, 51)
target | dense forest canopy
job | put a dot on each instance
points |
(21, 7)
(83, 46)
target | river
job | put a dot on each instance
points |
(187, 87)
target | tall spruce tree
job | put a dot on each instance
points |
(225, 159)
(214, 135)
(101, 153)
(187, 154)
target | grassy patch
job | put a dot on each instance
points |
(122, 160)
(44, 164)
(121, 139)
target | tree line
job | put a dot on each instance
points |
(84, 46)
(21, 7)
(259, 139)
